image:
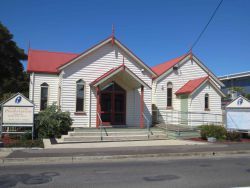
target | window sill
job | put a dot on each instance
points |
(207, 109)
(80, 113)
(169, 108)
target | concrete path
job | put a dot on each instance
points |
(115, 151)
(48, 145)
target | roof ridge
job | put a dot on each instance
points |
(170, 60)
(53, 52)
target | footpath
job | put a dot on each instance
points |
(98, 152)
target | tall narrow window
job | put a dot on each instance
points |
(44, 96)
(206, 101)
(59, 96)
(80, 96)
(169, 94)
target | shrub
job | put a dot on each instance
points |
(233, 136)
(218, 132)
(26, 143)
(52, 122)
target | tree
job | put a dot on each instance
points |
(239, 90)
(248, 96)
(13, 79)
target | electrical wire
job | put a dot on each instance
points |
(204, 29)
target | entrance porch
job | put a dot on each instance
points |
(120, 99)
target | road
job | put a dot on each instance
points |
(155, 172)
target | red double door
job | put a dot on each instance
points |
(113, 104)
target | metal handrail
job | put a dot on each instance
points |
(174, 116)
(148, 126)
(101, 126)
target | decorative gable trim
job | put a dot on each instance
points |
(184, 60)
(112, 40)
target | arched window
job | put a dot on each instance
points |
(206, 101)
(80, 92)
(44, 96)
(169, 95)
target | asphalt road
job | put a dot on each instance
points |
(158, 172)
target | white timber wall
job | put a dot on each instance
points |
(189, 70)
(90, 68)
(197, 104)
(51, 80)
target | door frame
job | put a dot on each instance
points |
(184, 109)
(113, 94)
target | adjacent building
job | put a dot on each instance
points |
(241, 80)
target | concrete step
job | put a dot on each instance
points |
(112, 133)
(115, 129)
(67, 138)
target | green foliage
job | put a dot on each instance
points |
(233, 136)
(218, 132)
(13, 79)
(52, 122)
(239, 90)
(248, 96)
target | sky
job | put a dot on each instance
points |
(155, 30)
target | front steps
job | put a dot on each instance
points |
(112, 135)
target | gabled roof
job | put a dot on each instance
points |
(47, 62)
(191, 86)
(114, 71)
(105, 75)
(112, 40)
(239, 102)
(53, 62)
(167, 67)
(163, 67)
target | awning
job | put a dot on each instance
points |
(121, 72)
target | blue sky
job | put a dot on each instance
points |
(155, 30)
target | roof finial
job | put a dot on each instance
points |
(29, 45)
(113, 34)
(113, 30)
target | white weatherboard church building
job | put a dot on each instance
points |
(109, 84)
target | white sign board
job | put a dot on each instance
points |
(17, 115)
(238, 114)
(17, 111)
(238, 120)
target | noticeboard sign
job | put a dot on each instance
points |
(17, 111)
(17, 115)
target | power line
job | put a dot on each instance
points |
(204, 29)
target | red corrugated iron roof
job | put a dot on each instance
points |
(47, 62)
(191, 86)
(163, 67)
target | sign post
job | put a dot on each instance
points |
(17, 115)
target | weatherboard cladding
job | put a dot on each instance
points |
(52, 80)
(196, 103)
(102, 60)
(92, 67)
(189, 70)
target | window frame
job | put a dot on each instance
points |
(206, 102)
(44, 85)
(84, 97)
(169, 86)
